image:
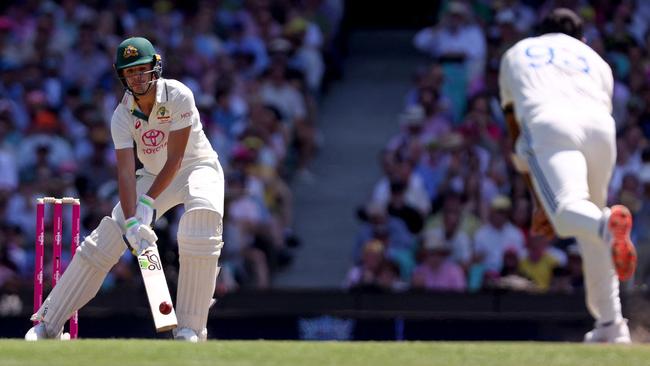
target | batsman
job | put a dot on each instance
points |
(158, 118)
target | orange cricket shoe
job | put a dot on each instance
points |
(623, 252)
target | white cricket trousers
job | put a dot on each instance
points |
(200, 185)
(570, 161)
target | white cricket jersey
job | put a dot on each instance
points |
(555, 75)
(174, 109)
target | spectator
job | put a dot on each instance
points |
(366, 273)
(453, 202)
(455, 38)
(452, 237)
(478, 127)
(246, 223)
(306, 40)
(511, 264)
(431, 168)
(522, 16)
(392, 232)
(400, 168)
(437, 270)
(538, 264)
(398, 207)
(493, 238)
(411, 123)
(9, 177)
(240, 44)
(86, 56)
(389, 278)
(278, 90)
(569, 278)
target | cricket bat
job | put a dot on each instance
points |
(160, 301)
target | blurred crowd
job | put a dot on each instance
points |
(449, 212)
(257, 69)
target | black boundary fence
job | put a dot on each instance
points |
(360, 315)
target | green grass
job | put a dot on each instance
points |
(124, 352)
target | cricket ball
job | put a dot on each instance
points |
(165, 308)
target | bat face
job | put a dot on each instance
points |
(164, 317)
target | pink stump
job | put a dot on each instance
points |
(38, 255)
(76, 222)
(57, 244)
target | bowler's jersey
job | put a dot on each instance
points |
(174, 109)
(554, 74)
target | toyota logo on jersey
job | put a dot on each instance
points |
(153, 138)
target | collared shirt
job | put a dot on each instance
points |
(173, 109)
(493, 243)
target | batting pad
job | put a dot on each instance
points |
(104, 246)
(84, 276)
(199, 247)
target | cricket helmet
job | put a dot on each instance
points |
(136, 51)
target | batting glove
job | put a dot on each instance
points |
(139, 236)
(144, 210)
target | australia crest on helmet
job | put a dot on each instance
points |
(130, 51)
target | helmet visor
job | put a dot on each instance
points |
(138, 79)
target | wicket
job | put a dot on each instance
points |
(57, 223)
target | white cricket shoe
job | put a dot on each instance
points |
(189, 335)
(39, 332)
(612, 333)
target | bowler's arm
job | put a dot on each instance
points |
(175, 152)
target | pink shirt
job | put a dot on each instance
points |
(449, 276)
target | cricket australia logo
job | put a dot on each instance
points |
(153, 138)
(130, 51)
(163, 115)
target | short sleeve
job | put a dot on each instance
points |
(120, 132)
(184, 113)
